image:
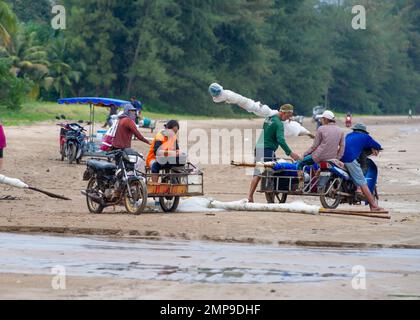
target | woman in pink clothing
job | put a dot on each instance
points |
(2, 145)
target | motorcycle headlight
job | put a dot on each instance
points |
(132, 159)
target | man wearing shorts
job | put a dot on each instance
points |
(270, 140)
(356, 142)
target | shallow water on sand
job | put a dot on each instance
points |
(194, 261)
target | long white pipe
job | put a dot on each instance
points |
(13, 182)
(244, 205)
(291, 128)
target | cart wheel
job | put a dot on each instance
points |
(273, 197)
(169, 204)
(331, 200)
(93, 206)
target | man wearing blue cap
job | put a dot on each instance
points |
(356, 142)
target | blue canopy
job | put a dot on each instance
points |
(101, 102)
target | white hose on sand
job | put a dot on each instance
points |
(13, 182)
(22, 185)
(291, 128)
(208, 205)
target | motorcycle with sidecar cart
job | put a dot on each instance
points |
(128, 183)
(328, 181)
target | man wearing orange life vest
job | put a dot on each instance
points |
(164, 147)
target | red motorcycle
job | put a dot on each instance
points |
(72, 142)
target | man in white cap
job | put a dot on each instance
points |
(329, 142)
(126, 129)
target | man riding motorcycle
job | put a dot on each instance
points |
(356, 142)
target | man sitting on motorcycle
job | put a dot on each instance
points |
(164, 150)
(356, 142)
(126, 129)
(329, 142)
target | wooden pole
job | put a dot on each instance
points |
(250, 165)
(51, 195)
(358, 211)
(355, 213)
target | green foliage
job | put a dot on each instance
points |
(38, 11)
(167, 52)
(8, 23)
(13, 89)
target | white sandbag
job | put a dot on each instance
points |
(220, 95)
(294, 129)
(291, 128)
(244, 205)
(13, 182)
(196, 205)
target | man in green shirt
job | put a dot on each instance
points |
(269, 141)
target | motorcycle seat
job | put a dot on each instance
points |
(101, 165)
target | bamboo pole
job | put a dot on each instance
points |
(251, 165)
(354, 213)
(358, 211)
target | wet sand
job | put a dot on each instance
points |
(212, 270)
(32, 155)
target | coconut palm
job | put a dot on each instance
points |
(64, 72)
(29, 60)
(8, 23)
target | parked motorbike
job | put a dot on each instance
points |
(72, 142)
(116, 184)
(338, 187)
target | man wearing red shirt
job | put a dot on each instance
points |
(126, 129)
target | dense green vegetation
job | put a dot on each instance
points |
(33, 112)
(167, 52)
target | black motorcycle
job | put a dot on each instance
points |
(116, 184)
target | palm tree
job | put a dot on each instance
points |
(64, 72)
(8, 23)
(28, 60)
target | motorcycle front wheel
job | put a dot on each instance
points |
(136, 203)
(71, 153)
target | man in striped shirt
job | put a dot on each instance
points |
(329, 142)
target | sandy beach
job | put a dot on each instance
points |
(32, 155)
